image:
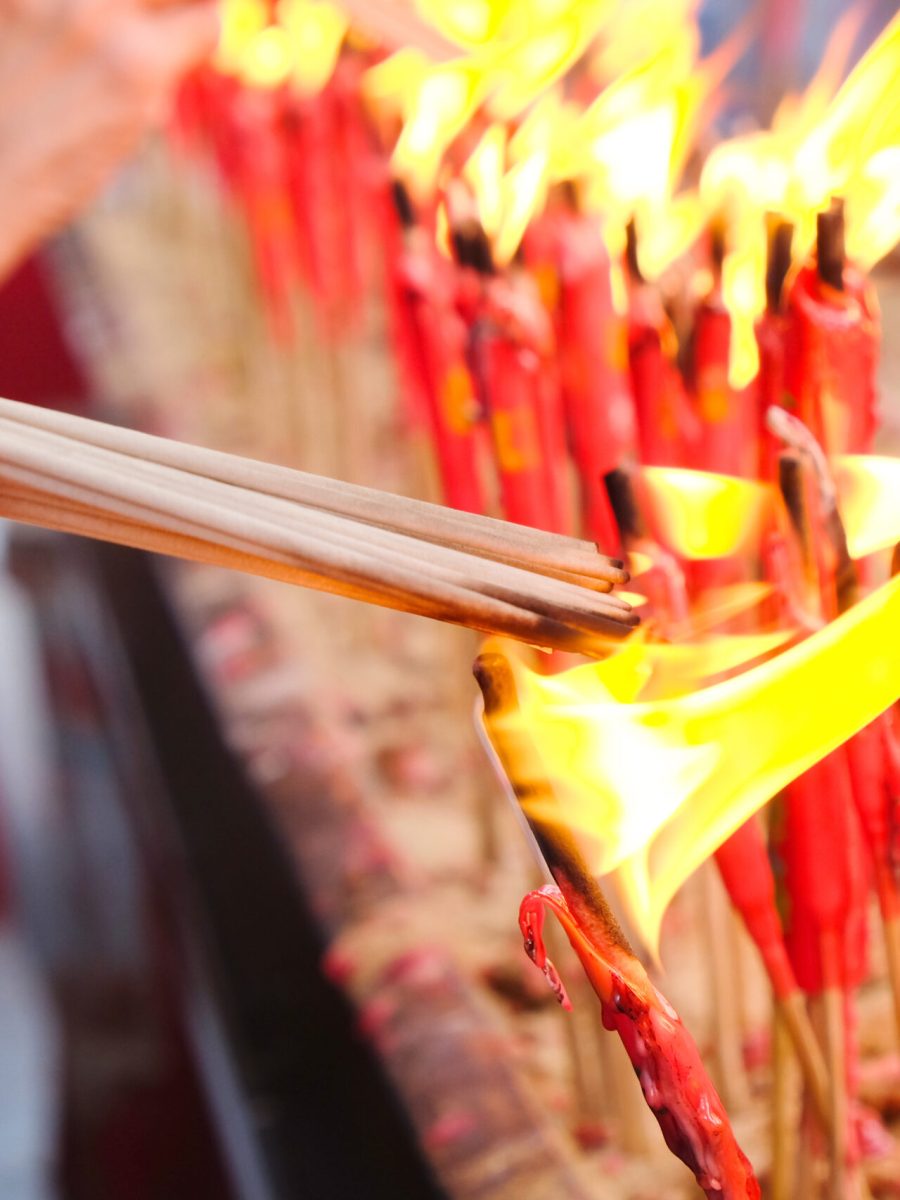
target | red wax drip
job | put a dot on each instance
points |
(673, 1079)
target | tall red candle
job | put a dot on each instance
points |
(514, 347)
(595, 378)
(666, 427)
(437, 342)
(254, 156)
(832, 342)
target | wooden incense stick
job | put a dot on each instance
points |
(278, 525)
(566, 557)
(81, 486)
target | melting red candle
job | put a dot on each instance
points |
(673, 1079)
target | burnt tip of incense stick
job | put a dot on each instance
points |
(556, 844)
(623, 501)
(631, 251)
(779, 243)
(403, 204)
(830, 253)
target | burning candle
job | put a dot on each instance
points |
(521, 389)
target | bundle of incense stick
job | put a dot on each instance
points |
(85, 477)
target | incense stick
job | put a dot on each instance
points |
(567, 557)
(80, 486)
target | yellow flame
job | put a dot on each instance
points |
(821, 144)
(268, 58)
(516, 51)
(631, 145)
(652, 787)
(524, 187)
(468, 23)
(835, 157)
(316, 31)
(444, 102)
(869, 500)
(241, 21)
(701, 515)
(546, 40)
(507, 200)
(640, 29)
(300, 41)
(395, 80)
(484, 173)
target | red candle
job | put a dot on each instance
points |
(825, 878)
(259, 178)
(400, 237)
(832, 342)
(743, 862)
(436, 340)
(514, 350)
(869, 774)
(316, 188)
(663, 420)
(593, 356)
(729, 429)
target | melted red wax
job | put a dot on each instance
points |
(673, 1079)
